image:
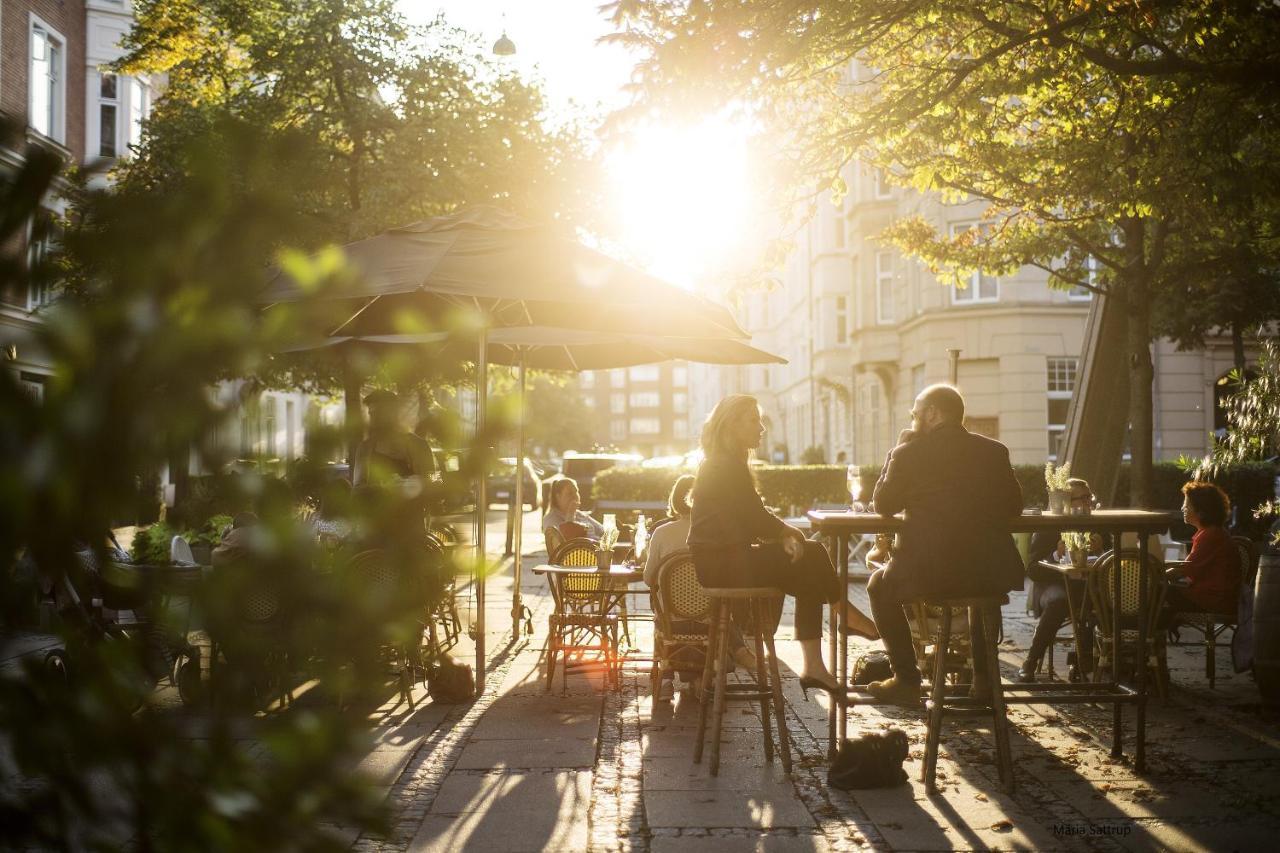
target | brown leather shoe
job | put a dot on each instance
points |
(895, 691)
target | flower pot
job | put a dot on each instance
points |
(604, 560)
(1079, 558)
(1059, 501)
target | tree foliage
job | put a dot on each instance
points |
(1117, 145)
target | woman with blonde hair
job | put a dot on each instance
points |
(736, 542)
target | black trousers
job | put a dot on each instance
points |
(811, 580)
(887, 598)
(1051, 598)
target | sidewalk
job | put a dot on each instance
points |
(522, 769)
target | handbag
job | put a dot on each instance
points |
(871, 761)
(871, 666)
(450, 681)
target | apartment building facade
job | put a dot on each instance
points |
(865, 329)
(56, 85)
(646, 407)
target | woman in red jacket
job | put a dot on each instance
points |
(1212, 569)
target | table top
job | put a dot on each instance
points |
(1068, 570)
(618, 571)
(1115, 520)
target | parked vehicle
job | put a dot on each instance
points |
(583, 468)
(502, 483)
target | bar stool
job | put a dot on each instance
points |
(939, 704)
(758, 604)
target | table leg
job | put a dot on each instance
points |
(842, 640)
(833, 744)
(1075, 626)
(1140, 744)
(1117, 742)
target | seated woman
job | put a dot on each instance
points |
(1049, 591)
(672, 537)
(736, 542)
(1212, 569)
(564, 517)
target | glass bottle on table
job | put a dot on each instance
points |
(854, 483)
(641, 537)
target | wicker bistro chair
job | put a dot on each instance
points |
(925, 618)
(252, 649)
(388, 584)
(680, 601)
(582, 620)
(1211, 625)
(1127, 618)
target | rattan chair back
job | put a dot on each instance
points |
(1132, 577)
(680, 594)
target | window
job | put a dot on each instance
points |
(32, 384)
(45, 102)
(982, 287)
(617, 430)
(644, 373)
(1060, 383)
(43, 239)
(587, 379)
(108, 114)
(680, 376)
(617, 404)
(1084, 294)
(139, 108)
(917, 379)
(882, 188)
(646, 400)
(618, 378)
(680, 402)
(646, 426)
(842, 320)
(884, 287)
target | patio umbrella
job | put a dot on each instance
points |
(546, 348)
(510, 272)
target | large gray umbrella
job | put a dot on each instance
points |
(503, 271)
(544, 348)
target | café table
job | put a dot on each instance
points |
(837, 526)
(620, 577)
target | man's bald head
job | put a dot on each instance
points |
(945, 399)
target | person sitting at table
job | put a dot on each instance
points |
(236, 544)
(958, 494)
(1049, 591)
(1212, 569)
(736, 542)
(670, 538)
(564, 519)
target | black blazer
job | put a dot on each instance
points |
(727, 509)
(958, 493)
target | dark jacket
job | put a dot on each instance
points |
(958, 494)
(727, 510)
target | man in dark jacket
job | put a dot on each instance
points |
(958, 493)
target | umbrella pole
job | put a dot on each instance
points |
(482, 501)
(517, 610)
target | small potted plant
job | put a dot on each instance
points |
(1077, 548)
(1055, 481)
(604, 551)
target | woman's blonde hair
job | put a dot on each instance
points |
(715, 440)
(678, 502)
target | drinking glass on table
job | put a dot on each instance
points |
(854, 483)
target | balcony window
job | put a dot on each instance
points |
(46, 99)
(884, 287)
(108, 114)
(981, 287)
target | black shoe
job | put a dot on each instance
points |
(1026, 676)
(839, 694)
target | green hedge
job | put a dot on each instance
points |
(803, 486)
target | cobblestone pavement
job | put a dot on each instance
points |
(585, 768)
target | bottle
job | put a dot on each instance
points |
(642, 536)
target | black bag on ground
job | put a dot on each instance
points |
(451, 681)
(871, 666)
(871, 761)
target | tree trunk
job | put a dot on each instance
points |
(1237, 346)
(1138, 301)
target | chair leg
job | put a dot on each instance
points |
(775, 687)
(1210, 661)
(708, 668)
(722, 666)
(552, 640)
(999, 716)
(928, 772)
(758, 622)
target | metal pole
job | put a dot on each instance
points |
(517, 610)
(482, 503)
(954, 355)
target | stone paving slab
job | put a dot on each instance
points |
(725, 808)
(740, 842)
(679, 773)
(554, 792)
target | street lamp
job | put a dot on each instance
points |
(504, 46)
